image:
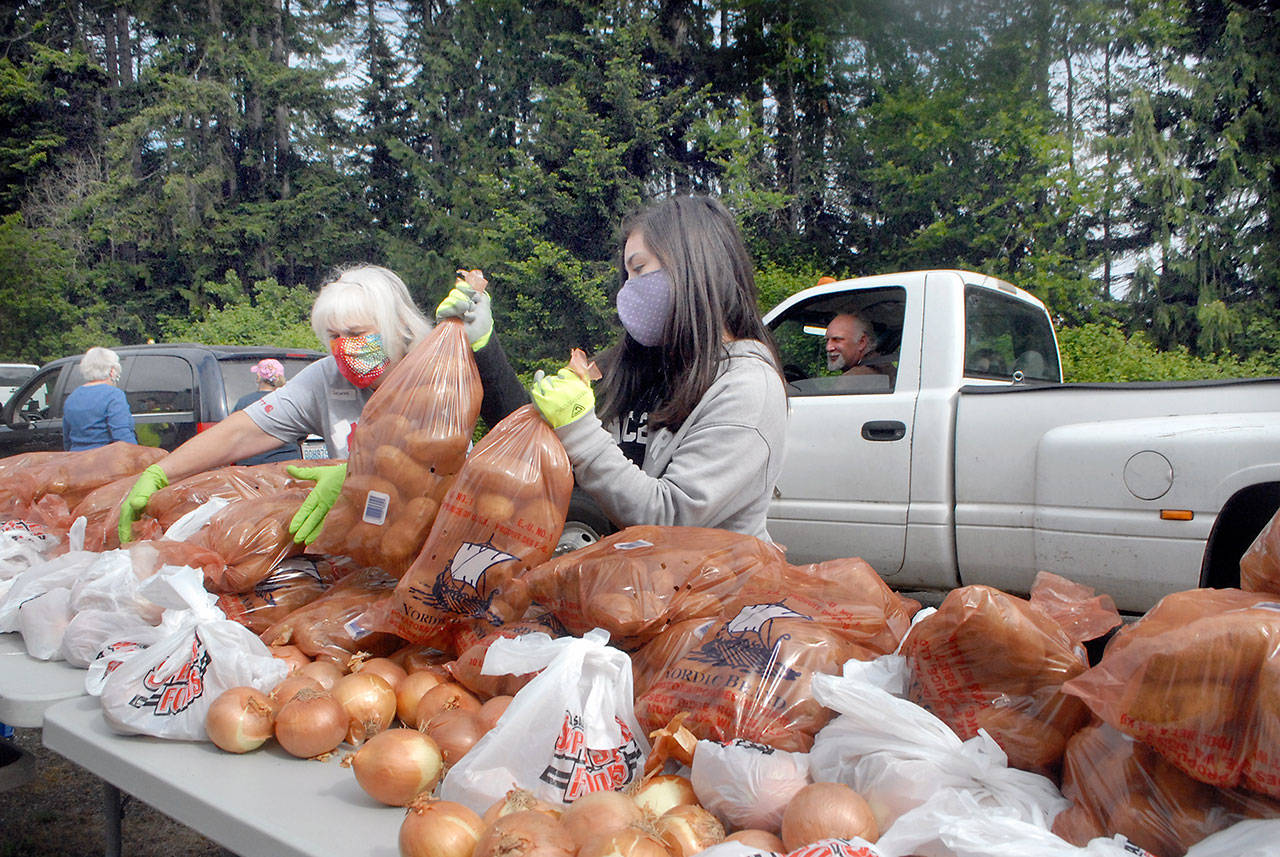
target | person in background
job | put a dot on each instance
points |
(690, 423)
(270, 375)
(851, 348)
(97, 412)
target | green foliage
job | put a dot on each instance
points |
(1100, 351)
(272, 315)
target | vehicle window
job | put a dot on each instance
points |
(34, 404)
(159, 384)
(238, 381)
(801, 338)
(1003, 335)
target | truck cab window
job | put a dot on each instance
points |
(1007, 340)
(860, 356)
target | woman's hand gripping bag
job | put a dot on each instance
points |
(569, 732)
(166, 690)
(503, 514)
(411, 440)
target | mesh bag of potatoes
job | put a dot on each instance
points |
(503, 514)
(749, 676)
(990, 660)
(293, 583)
(637, 581)
(1117, 785)
(328, 628)
(409, 444)
(1198, 679)
(1260, 565)
(253, 536)
(24, 479)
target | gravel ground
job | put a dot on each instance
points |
(59, 813)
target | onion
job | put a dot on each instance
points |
(826, 811)
(456, 731)
(493, 709)
(397, 765)
(240, 719)
(439, 828)
(291, 655)
(661, 793)
(528, 833)
(445, 696)
(289, 686)
(325, 672)
(688, 829)
(762, 840)
(385, 667)
(518, 800)
(417, 657)
(629, 842)
(310, 724)
(409, 693)
(370, 704)
(597, 813)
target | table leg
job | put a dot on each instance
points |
(112, 807)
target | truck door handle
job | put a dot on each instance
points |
(883, 430)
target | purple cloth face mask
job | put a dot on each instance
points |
(645, 304)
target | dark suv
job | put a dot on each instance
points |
(174, 391)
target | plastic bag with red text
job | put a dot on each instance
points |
(293, 583)
(503, 514)
(329, 627)
(410, 442)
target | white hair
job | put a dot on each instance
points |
(97, 364)
(369, 294)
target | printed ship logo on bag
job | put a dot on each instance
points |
(577, 770)
(747, 641)
(457, 588)
(169, 693)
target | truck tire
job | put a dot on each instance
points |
(1238, 524)
(585, 523)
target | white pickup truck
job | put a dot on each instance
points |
(978, 465)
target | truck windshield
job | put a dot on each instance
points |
(1004, 336)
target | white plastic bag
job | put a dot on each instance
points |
(166, 690)
(193, 522)
(985, 835)
(42, 620)
(1256, 837)
(21, 547)
(90, 630)
(569, 731)
(58, 572)
(900, 757)
(747, 785)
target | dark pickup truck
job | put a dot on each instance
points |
(173, 390)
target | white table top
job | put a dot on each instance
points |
(261, 803)
(28, 686)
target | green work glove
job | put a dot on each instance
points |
(306, 524)
(149, 482)
(473, 308)
(562, 397)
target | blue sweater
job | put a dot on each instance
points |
(95, 415)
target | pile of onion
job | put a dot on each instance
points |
(827, 811)
(688, 829)
(439, 828)
(446, 696)
(665, 791)
(312, 723)
(397, 765)
(240, 719)
(409, 693)
(528, 833)
(599, 813)
(518, 800)
(456, 730)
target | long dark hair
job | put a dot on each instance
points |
(699, 246)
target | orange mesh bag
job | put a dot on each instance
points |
(472, 644)
(635, 582)
(72, 475)
(1119, 785)
(411, 440)
(253, 537)
(328, 627)
(1260, 565)
(749, 677)
(990, 660)
(1082, 614)
(294, 583)
(1196, 679)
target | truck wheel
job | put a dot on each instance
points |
(1238, 524)
(584, 525)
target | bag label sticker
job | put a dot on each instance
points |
(376, 504)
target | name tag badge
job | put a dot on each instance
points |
(341, 395)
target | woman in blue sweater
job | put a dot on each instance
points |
(97, 413)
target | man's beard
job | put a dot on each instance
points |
(836, 363)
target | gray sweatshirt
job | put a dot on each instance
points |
(718, 469)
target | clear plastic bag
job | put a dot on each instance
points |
(252, 536)
(1260, 564)
(410, 442)
(473, 642)
(72, 475)
(503, 514)
(330, 627)
(569, 732)
(42, 621)
(293, 584)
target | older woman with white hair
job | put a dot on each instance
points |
(370, 323)
(97, 412)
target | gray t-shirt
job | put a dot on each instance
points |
(318, 400)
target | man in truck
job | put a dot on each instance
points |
(851, 348)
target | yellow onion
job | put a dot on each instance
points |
(445, 696)
(409, 693)
(325, 672)
(370, 704)
(289, 686)
(597, 813)
(456, 731)
(761, 840)
(661, 793)
(385, 667)
(240, 719)
(397, 765)
(492, 710)
(826, 811)
(527, 833)
(632, 841)
(687, 830)
(439, 828)
(311, 724)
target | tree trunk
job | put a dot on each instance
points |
(279, 57)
